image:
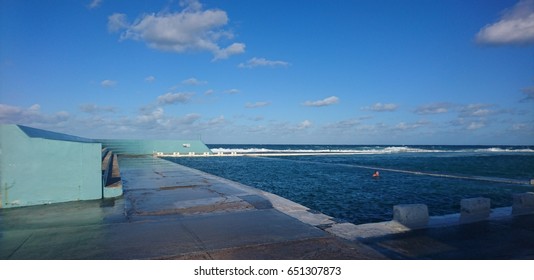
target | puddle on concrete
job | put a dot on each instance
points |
(107, 202)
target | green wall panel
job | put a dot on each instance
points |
(39, 170)
(40, 167)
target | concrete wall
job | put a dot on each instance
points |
(144, 147)
(41, 167)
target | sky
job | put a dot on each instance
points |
(456, 72)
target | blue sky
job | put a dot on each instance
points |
(236, 71)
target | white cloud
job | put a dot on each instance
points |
(262, 62)
(476, 110)
(529, 92)
(232, 91)
(172, 98)
(191, 29)
(209, 92)
(191, 5)
(193, 82)
(117, 22)
(235, 48)
(257, 119)
(436, 108)
(189, 119)
(379, 107)
(515, 27)
(217, 121)
(150, 79)
(93, 108)
(94, 4)
(257, 104)
(344, 125)
(475, 125)
(151, 116)
(304, 124)
(410, 126)
(519, 126)
(402, 126)
(324, 102)
(108, 83)
(468, 124)
(30, 116)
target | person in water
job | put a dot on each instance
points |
(376, 174)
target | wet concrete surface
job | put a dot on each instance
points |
(169, 211)
(501, 239)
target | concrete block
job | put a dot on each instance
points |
(523, 203)
(113, 191)
(411, 215)
(474, 209)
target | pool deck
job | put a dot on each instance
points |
(169, 211)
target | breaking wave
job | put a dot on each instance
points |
(365, 150)
(504, 150)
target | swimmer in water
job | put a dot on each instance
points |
(376, 174)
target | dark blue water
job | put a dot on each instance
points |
(342, 186)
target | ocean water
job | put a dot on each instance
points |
(342, 185)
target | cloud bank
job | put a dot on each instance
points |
(31, 115)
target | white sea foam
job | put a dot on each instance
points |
(501, 150)
(368, 150)
(384, 150)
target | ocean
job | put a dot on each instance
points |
(341, 185)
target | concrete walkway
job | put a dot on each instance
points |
(169, 211)
(173, 212)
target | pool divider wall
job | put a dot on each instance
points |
(474, 209)
(411, 215)
(523, 203)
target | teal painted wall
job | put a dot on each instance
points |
(154, 146)
(41, 167)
